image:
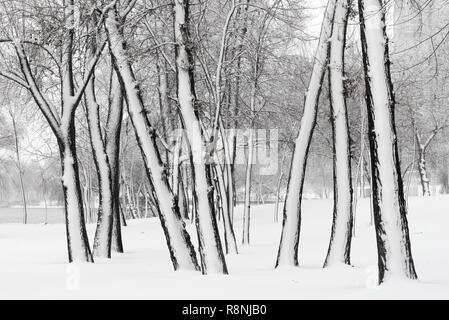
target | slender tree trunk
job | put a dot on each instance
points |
(19, 167)
(390, 216)
(278, 186)
(240, 37)
(113, 132)
(288, 248)
(229, 234)
(103, 234)
(341, 234)
(249, 169)
(178, 240)
(228, 171)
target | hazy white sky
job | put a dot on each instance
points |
(317, 11)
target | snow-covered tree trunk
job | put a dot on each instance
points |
(390, 216)
(211, 251)
(78, 244)
(178, 240)
(288, 248)
(113, 131)
(341, 234)
(103, 233)
(77, 240)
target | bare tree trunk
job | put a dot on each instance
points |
(229, 234)
(77, 241)
(341, 234)
(19, 167)
(103, 234)
(288, 248)
(249, 167)
(240, 37)
(390, 216)
(422, 167)
(113, 131)
(278, 186)
(228, 170)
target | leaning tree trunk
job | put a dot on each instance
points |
(390, 213)
(182, 253)
(288, 248)
(341, 234)
(210, 247)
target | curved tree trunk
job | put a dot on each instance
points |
(288, 248)
(390, 213)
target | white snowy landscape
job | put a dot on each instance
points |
(34, 265)
(224, 149)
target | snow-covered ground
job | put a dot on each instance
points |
(33, 262)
